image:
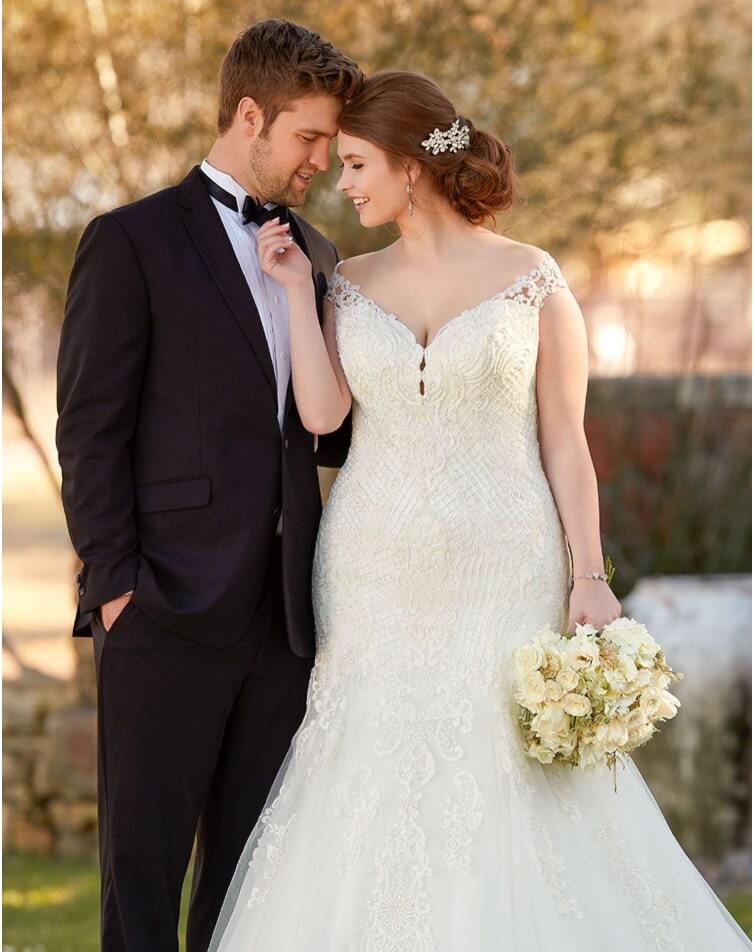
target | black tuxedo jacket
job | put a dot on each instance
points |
(174, 466)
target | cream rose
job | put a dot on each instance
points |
(529, 657)
(531, 690)
(568, 679)
(553, 691)
(577, 705)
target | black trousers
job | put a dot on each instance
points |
(190, 738)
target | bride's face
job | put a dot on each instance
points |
(371, 182)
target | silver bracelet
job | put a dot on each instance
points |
(597, 576)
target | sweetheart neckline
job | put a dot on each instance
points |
(469, 310)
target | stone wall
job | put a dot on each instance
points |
(49, 765)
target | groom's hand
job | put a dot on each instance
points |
(109, 611)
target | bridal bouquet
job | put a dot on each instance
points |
(590, 697)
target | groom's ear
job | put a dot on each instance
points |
(249, 115)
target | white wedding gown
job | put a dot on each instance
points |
(405, 817)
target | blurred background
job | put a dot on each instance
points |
(630, 123)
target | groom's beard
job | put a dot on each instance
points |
(274, 185)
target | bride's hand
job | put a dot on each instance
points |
(592, 602)
(280, 256)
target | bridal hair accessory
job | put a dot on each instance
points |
(453, 139)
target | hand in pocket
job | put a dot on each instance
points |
(110, 611)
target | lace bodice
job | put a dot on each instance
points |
(475, 376)
(445, 456)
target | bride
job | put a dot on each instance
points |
(406, 817)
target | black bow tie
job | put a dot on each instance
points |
(252, 210)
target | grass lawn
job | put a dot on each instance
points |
(53, 905)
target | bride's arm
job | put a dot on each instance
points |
(323, 397)
(321, 391)
(562, 377)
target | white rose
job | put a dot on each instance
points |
(643, 679)
(552, 662)
(646, 655)
(567, 678)
(668, 705)
(577, 705)
(616, 679)
(617, 734)
(636, 724)
(552, 719)
(543, 754)
(531, 690)
(586, 629)
(553, 691)
(548, 638)
(650, 700)
(528, 658)
(581, 653)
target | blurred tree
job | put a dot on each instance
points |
(620, 112)
(615, 109)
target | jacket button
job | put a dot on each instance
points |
(285, 443)
(276, 511)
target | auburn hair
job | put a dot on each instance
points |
(397, 111)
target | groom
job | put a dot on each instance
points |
(190, 489)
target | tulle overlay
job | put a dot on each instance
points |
(406, 817)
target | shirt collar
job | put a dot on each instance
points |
(226, 181)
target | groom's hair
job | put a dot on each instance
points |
(275, 62)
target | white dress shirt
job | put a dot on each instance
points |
(268, 295)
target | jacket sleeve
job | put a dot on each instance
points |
(332, 448)
(103, 348)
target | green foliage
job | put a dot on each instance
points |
(739, 905)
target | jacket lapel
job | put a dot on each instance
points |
(208, 234)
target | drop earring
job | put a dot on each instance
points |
(410, 191)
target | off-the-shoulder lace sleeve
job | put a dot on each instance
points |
(536, 285)
(337, 286)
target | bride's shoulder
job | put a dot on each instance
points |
(521, 257)
(361, 268)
